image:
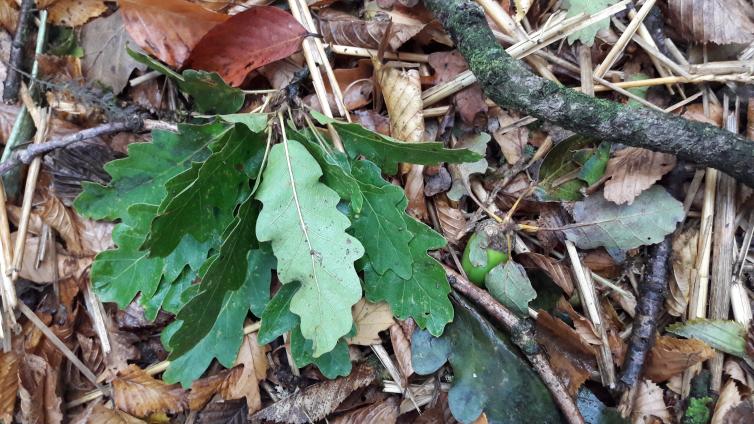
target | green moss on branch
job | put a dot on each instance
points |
(509, 84)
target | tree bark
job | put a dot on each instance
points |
(509, 84)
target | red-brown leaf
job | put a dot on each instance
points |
(246, 41)
(168, 29)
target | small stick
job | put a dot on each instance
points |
(617, 49)
(16, 59)
(524, 340)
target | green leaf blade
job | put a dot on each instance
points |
(509, 284)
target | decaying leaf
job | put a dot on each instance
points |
(671, 356)
(8, 385)
(469, 102)
(168, 29)
(230, 412)
(140, 394)
(74, 13)
(243, 382)
(716, 21)
(64, 221)
(600, 223)
(105, 58)
(511, 139)
(370, 319)
(246, 41)
(462, 172)
(39, 402)
(509, 284)
(401, 349)
(8, 16)
(729, 398)
(342, 28)
(319, 400)
(726, 336)
(381, 412)
(683, 259)
(452, 221)
(104, 415)
(649, 403)
(557, 270)
(734, 370)
(44, 271)
(633, 170)
(203, 389)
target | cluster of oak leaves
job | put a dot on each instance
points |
(237, 218)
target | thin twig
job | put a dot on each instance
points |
(16, 59)
(524, 340)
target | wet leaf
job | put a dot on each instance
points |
(650, 403)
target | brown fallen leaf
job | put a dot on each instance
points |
(649, 403)
(683, 261)
(730, 397)
(243, 381)
(168, 29)
(341, 28)
(103, 415)
(583, 326)
(140, 394)
(469, 102)
(246, 41)
(372, 120)
(670, 356)
(385, 412)
(203, 389)
(370, 319)
(558, 271)
(8, 385)
(39, 402)
(717, 21)
(633, 170)
(318, 400)
(402, 349)
(453, 222)
(511, 139)
(75, 13)
(735, 371)
(55, 214)
(230, 412)
(280, 73)
(8, 16)
(44, 272)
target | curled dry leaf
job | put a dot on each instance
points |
(633, 170)
(402, 350)
(74, 13)
(243, 382)
(734, 370)
(600, 262)
(140, 394)
(44, 271)
(512, 139)
(671, 356)
(280, 73)
(203, 389)
(729, 398)
(8, 16)
(103, 415)
(584, 327)
(469, 102)
(318, 400)
(341, 28)
(55, 214)
(8, 385)
(558, 271)
(39, 402)
(649, 403)
(453, 222)
(370, 319)
(683, 260)
(382, 412)
(168, 29)
(716, 21)
(246, 41)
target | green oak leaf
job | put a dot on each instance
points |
(576, 7)
(141, 177)
(594, 167)
(226, 273)
(489, 375)
(210, 93)
(617, 228)
(508, 283)
(221, 342)
(561, 167)
(726, 336)
(211, 194)
(462, 172)
(308, 235)
(388, 152)
(168, 294)
(424, 296)
(332, 364)
(277, 317)
(121, 273)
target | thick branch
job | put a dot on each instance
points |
(523, 337)
(509, 84)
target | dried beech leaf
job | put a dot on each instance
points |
(402, 349)
(452, 221)
(583, 326)
(383, 412)
(341, 28)
(729, 398)
(572, 359)
(8, 16)
(44, 271)
(8, 385)
(670, 356)
(75, 13)
(55, 214)
(318, 400)
(683, 260)
(280, 73)
(512, 140)
(203, 389)
(168, 29)
(734, 370)
(140, 394)
(716, 21)
(633, 170)
(401, 89)
(246, 41)
(649, 403)
(39, 402)
(370, 319)
(243, 382)
(469, 102)
(559, 272)
(102, 415)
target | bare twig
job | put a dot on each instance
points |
(524, 339)
(13, 80)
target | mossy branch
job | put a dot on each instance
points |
(509, 84)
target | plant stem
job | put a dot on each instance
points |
(509, 84)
